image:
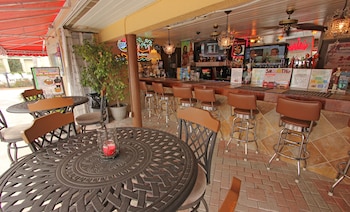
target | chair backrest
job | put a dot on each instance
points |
(143, 86)
(242, 101)
(299, 109)
(182, 92)
(48, 129)
(158, 88)
(198, 128)
(33, 94)
(46, 106)
(3, 123)
(204, 94)
(232, 196)
(103, 106)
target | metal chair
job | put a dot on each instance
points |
(232, 196)
(183, 96)
(297, 118)
(94, 118)
(164, 102)
(149, 98)
(48, 129)
(198, 128)
(11, 135)
(46, 106)
(244, 112)
(33, 94)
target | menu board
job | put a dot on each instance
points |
(319, 79)
(236, 75)
(49, 80)
(277, 77)
(258, 76)
(300, 79)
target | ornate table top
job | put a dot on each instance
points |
(22, 107)
(155, 171)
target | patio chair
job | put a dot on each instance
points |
(232, 195)
(48, 129)
(45, 106)
(11, 135)
(198, 128)
(33, 95)
(94, 118)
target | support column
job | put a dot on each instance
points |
(134, 81)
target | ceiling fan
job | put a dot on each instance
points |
(288, 24)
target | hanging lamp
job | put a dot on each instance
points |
(339, 23)
(169, 48)
(225, 39)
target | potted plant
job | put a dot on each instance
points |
(104, 70)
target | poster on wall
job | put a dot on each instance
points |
(338, 55)
(258, 77)
(300, 79)
(186, 53)
(319, 79)
(238, 52)
(236, 75)
(49, 80)
(277, 77)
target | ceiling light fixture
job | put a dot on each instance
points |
(225, 39)
(339, 23)
(169, 48)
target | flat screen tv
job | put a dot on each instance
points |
(274, 53)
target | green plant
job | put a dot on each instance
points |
(105, 70)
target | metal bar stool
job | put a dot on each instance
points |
(149, 98)
(244, 123)
(297, 118)
(165, 102)
(342, 172)
(184, 96)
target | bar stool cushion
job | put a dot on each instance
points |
(13, 134)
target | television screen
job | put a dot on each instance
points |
(266, 54)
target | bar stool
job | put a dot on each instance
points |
(184, 96)
(297, 118)
(342, 172)
(149, 98)
(164, 102)
(207, 100)
(245, 110)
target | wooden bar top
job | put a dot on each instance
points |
(332, 102)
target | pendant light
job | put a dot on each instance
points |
(225, 40)
(169, 48)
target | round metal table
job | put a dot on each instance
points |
(155, 171)
(22, 107)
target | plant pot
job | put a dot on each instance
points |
(118, 113)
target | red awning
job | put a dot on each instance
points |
(24, 25)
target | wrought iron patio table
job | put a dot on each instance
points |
(155, 171)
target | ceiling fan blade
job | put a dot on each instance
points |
(310, 26)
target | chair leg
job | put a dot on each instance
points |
(340, 176)
(10, 146)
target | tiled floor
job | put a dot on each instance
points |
(261, 190)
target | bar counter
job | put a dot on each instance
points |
(328, 143)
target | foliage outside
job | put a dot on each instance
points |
(104, 71)
(15, 66)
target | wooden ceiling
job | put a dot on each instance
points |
(257, 18)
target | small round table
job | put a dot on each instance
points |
(155, 171)
(22, 107)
